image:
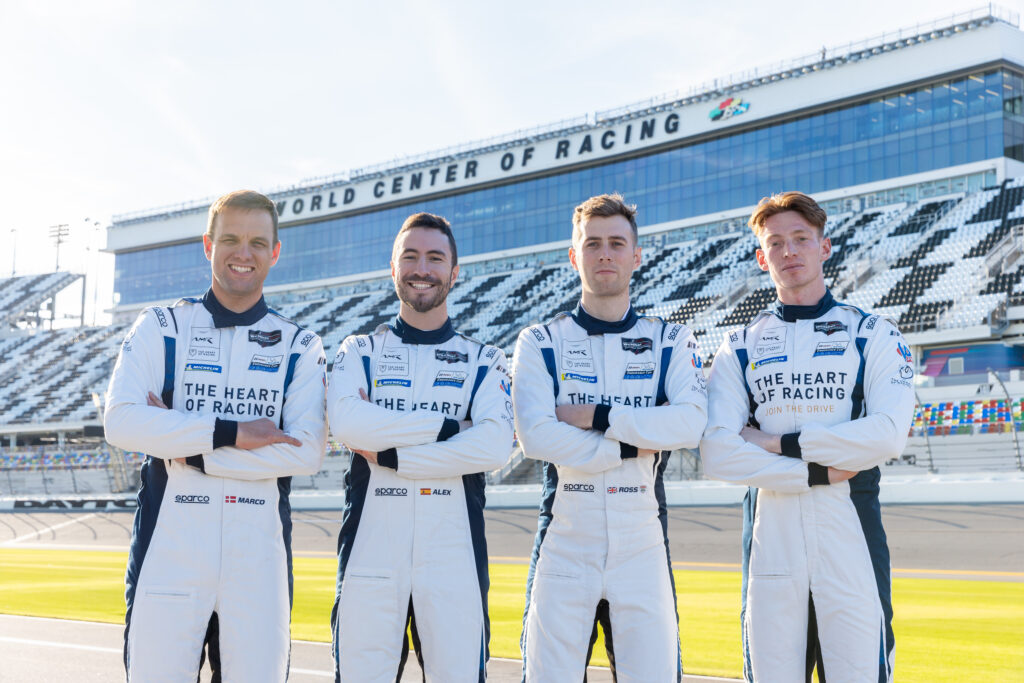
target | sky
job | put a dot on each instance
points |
(111, 106)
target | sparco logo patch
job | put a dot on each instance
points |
(161, 318)
(581, 488)
(391, 492)
(638, 345)
(199, 500)
(265, 339)
(451, 356)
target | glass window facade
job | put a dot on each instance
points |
(930, 127)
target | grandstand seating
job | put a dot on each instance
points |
(23, 295)
(929, 264)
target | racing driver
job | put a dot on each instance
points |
(602, 395)
(810, 393)
(226, 398)
(427, 411)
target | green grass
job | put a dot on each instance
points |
(946, 630)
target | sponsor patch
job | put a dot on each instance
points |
(578, 488)
(392, 382)
(830, 327)
(449, 378)
(768, 361)
(906, 372)
(904, 352)
(734, 337)
(265, 363)
(400, 491)
(340, 358)
(160, 317)
(308, 338)
(451, 356)
(675, 332)
(204, 343)
(505, 386)
(242, 500)
(590, 379)
(830, 348)
(577, 355)
(393, 361)
(771, 342)
(638, 345)
(870, 324)
(639, 371)
(202, 367)
(491, 352)
(265, 338)
(192, 499)
(361, 342)
(695, 361)
(538, 335)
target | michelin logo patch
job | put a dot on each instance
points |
(265, 363)
(639, 370)
(591, 379)
(769, 361)
(392, 383)
(447, 378)
(202, 367)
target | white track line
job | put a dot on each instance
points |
(37, 534)
(60, 643)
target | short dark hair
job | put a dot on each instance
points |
(242, 199)
(430, 221)
(788, 201)
(604, 205)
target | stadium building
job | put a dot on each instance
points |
(913, 141)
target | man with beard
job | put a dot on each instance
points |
(602, 395)
(426, 411)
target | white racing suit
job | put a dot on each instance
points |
(601, 551)
(412, 544)
(210, 557)
(837, 384)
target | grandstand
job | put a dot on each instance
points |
(913, 142)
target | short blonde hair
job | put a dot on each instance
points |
(788, 201)
(242, 199)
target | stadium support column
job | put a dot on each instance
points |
(1013, 424)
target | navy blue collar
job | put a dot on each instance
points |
(594, 326)
(793, 313)
(410, 335)
(222, 317)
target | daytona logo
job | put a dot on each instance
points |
(244, 500)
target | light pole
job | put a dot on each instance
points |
(59, 233)
(14, 249)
